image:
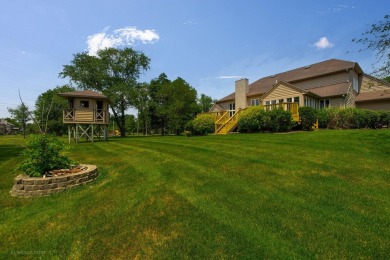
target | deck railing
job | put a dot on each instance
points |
(287, 106)
(99, 116)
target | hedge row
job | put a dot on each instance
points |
(256, 119)
(344, 118)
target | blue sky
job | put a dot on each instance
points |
(210, 43)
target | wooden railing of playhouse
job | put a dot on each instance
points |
(94, 116)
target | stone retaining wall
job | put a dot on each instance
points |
(25, 186)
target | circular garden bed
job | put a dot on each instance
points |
(59, 181)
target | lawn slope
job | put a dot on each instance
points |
(320, 194)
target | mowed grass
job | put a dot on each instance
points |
(323, 194)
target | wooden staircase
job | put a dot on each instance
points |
(224, 123)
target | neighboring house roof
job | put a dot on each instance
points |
(373, 95)
(83, 94)
(332, 90)
(263, 85)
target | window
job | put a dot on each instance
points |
(289, 100)
(84, 103)
(296, 99)
(355, 84)
(324, 103)
(273, 101)
(255, 102)
(232, 109)
(281, 100)
(268, 102)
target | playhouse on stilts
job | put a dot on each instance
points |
(87, 115)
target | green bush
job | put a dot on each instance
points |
(279, 120)
(308, 117)
(372, 119)
(43, 154)
(203, 124)
(323, 118)
(351, 118)
(252, 119)
(384, 118)
(255, 119)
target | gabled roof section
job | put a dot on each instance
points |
(227, 98)
(281, 83)
(373, 95)
(83, 94)
(332, 90)
(303, 73)
(327, 67)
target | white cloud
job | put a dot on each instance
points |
(230, 77)
(323, 43)
(190, 22)
(127, 36)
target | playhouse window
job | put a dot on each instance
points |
(84, 103)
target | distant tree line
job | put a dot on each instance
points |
(163, 106)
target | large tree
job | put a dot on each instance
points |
(49, 108)
(158, 100)
(205, 103)
(141, 101)
(180, 104)
(377, 39)
(21, 115)
(114, 72)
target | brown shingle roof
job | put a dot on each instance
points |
(263, 85)
(84, 93)
(373, 95)
(332, 90)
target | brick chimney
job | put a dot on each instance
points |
(242, 89)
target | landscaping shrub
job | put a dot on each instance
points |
(252, 119)
(352, 118)
(372, 119)
(43, 153)
(203, 124)
(343, 118)
(323, 118)
(384, 118)
(255, 119)
(308, 117)
(279, 120)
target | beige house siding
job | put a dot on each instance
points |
(375, 105)
(283, 92)
(249, 99)
(225, 105)
(370, 84)
(322, 81)
(336, 102)
(350, 98)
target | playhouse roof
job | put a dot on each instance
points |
(83, 94)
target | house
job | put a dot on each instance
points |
(331, 83)
(7, 128)
(87, 115)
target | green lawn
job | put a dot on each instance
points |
(323, 194)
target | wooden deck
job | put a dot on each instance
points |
(224, 123)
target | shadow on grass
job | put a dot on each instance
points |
(8, 151)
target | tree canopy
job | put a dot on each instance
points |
(21, 115)
(377, 39)
(49, 108)
(114, 72)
